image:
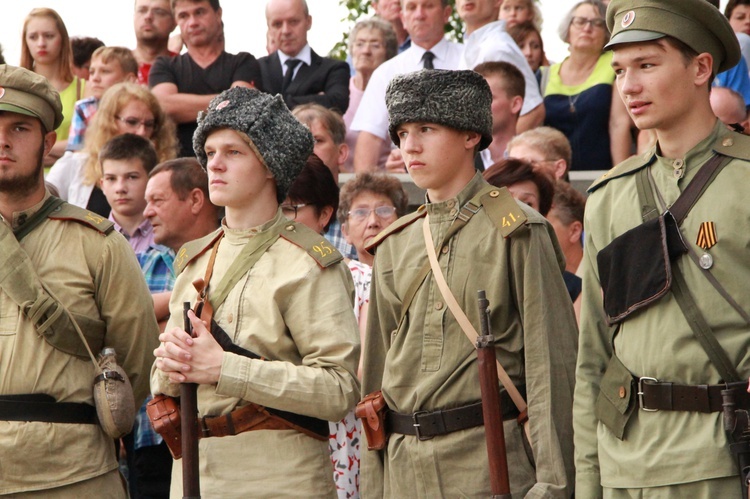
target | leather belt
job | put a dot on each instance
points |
(43, 408)
(426, 425)
(253, 417)
(655, 395)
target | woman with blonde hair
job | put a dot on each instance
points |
(45, 49)
(124, 108)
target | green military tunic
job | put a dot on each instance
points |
(95, 276)
(297, 314)
(427, 363)
(664, 448)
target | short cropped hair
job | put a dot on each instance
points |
(213, 3)
(187, 174)
(331, 120)
(376, 183)
(511, 171)
(315, 186)
(568, 203)
(514, 83)
(127, 147)
(385, 28)
(551, 142)
(120, 54)
(83, 47)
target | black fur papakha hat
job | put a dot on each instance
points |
(282, 142)
(460, 100)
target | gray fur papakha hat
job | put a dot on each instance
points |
(460, 100)
(283, 142)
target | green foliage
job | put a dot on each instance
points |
(361, 9)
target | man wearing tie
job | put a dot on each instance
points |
(424, 20)
(294, 70)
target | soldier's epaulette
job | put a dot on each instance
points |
(503, 210)
(67, 211)
(193, 249)
(396, 226)
(733, 144)
(630, 165)
(317, 246)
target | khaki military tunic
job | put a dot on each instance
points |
(297, 315)
(96, 276)
(427, 363)
(665, 448)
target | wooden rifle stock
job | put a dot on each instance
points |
(191, 486)
(491, 408)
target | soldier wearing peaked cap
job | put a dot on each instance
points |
(279, 356)
(59, 264)
(416, 351)
(665, 307)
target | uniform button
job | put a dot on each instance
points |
(494, 194)
(453, 212)
(622, 392)
(230, 318)
(444, 249)
(439, 305)
(451, 203)
(678, 163)
(290, 227)
(727, 142)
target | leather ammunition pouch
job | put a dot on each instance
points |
(635, 269)
(164, 414)
(614, 404)
(371, 410)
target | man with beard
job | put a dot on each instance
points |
(185, 84)
(152, 22)
(61, 266)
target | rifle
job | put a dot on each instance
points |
(491, 409)
(191, 487)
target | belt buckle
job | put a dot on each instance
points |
(415, 423)
(640, 392)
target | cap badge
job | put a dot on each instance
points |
(628, 19)
(2, 92)
(221, 105)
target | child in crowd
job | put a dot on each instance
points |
(109, 65)
(517, 11)
(126, 161)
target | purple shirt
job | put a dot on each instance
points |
(141, 239)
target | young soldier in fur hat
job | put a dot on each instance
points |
(415, 349)
(282, 310)
(58, 264)
(648, 397)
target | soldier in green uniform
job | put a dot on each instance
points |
(58, 264)
(416, 351)
(280, 360)
(647, 410)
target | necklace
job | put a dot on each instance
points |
(572, 101)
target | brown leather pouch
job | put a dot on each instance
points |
(164, 414)
(371, 410)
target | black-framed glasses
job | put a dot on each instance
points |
(290, 210)
(580, 22)
(135, 122)
(381, 212)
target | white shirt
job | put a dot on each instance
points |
(67, 177)
(372, 115)
(303, 55)
(492, 43)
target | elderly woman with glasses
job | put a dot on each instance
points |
(124, 108)
(578, 92)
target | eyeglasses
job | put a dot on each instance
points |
(580, 22)
(135, 122)
(360, 214)
(360, 44)
(290, 210)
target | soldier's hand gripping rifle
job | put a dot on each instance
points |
(491, 409)
(191, 488)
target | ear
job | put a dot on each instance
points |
(49, 140)
(308, 23)
(560, 167)
(575, 230)
(472, 140)
(516, 104)
(345, 231)
(343, 154)
(325, 216)
(197, 199)
(447, 13)
(131, 78)
(704, 64)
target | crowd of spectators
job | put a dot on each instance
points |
(550, 118)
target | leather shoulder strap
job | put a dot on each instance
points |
(192, 250)
(317, 246)
(67, 211)
(51, 204)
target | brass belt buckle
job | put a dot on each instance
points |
(640, 393)
(415, 423)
